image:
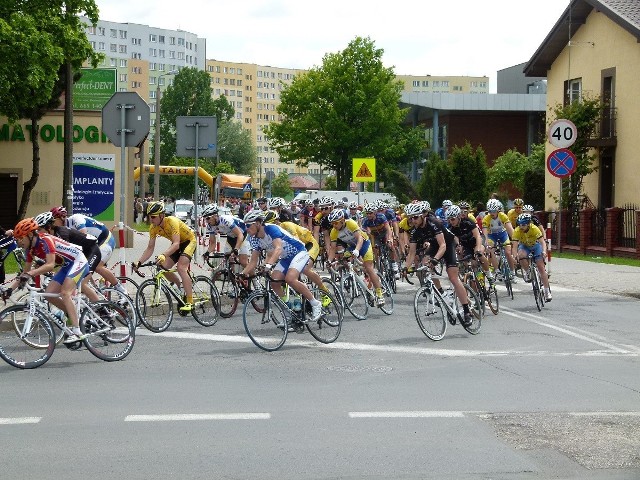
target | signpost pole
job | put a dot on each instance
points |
(195, 194)
(123, 177)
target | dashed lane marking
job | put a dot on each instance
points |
(19, 420)
(187, 417)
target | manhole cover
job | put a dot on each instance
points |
(359, 368)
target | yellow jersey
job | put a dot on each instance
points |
(169, 227)
(301, 233)
(528, 238)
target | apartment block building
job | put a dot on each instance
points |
(444, 84)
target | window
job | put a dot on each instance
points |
(573, 91)
(153, 37)
(160, 38)
(113, 33)
(93, 45)
(113, 47)
(91, 30)
(153, 52)
(152, 80)
(172, 40)
(239, 70)
(101, 46)
(435, 83)
(152, 66)
(123, 77)
(152, 94)
(181, 42)
(123, 62)
(425, 83)
(123, 34)
(122, 48)
(180, 55)
(101, 31)
(416, 83)
(172, 54)
(445, 83)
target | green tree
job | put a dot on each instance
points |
(330, 183)
(280, 186)
(236, 148)
(509, 169)
(534, 177)
(469, 168)
(437, 181)
(38, 39)
(585, 113)
(346, 108)
(190, 95)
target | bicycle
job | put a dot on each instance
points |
(536, 282)
(434, 309)
(384, 265)
(504, 270)
(231, 287)
(268, 328)
(154, 303)
(475, 278)
(357, 289)
(28, 338)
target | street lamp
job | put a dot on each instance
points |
(156, 149)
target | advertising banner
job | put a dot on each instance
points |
(93, 185)
(94, 89)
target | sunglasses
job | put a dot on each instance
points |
(326, 208)
(416, 217)
(154, 216)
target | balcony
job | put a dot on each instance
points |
(604, 135)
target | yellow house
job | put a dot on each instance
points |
(594, 49)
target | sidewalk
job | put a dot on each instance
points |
(576, 274)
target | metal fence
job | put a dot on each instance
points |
(573, 227)
(628, 226)
(599, 227)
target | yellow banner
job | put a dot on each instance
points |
(364, 170)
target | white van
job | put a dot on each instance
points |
(184, 211)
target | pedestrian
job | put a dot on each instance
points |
(138, 211)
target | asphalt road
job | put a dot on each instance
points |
(536, 395)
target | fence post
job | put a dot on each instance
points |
(565, 229)
(613, 231)
(586, 229)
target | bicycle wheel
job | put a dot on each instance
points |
(154, 306)
(472, 282)
(475, 305)
(429, 314)
(506, 275)
(110, 331)
(205, 302)
(131, 286)
(327, 328)
(17, 346)
(335, 290)
(535, 285)
(355, 299)
(267, 329)
(228, 292)
(387, 308)
(124, 300)
(491, 294)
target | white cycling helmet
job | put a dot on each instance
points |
(494, 205)
(44, 218)
(252, 216)
(413, 209)
(275, 202)
(453, 211)
(336, 215)
(326, 202)
(528, 209)
(446, 203)
(209, 210)
(426, 206)
(353, 205)
(370, 208)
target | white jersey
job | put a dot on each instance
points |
(290, 246)
(226, 224)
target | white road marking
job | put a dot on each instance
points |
(182, 417)
(19, 420)
(434, 352)
(604, 414)
(528, 317)
(415, 414)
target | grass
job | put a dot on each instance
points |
(141, 227)
(597, 259)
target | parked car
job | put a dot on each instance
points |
(184, 211)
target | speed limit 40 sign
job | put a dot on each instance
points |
(562, 133)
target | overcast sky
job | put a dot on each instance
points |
(450, 37)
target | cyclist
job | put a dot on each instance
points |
(347, 232)
(321, 221)
(179, 253)
(441, 212)
(497, 228)
(262, 203)
(442, 245)
(527, 238)
(106, 241)
(74, 268)
(228, 225)
(534, 219)
(286, 257)
(277, 205)
(468, 235)
(87, 242)
(513, 214)
(355, 213)
(379, 230)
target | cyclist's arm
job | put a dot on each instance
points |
(48, 266)
(274, 256)
(509, 229)
(442, 246)
(253, 262)
(476, 235)
(239, 235)
(175, 245)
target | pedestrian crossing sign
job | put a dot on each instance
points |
(364, 170)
